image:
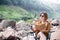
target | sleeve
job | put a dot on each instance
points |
(35, 27)
(47, 29)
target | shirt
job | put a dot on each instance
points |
(42, 27)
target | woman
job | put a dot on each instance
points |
(42, 27)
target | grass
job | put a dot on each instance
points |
(15, 13)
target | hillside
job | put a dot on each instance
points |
(28, 9)
(15, 13)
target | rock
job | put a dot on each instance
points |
(12, 24)
(55, 35)
(7, 32)
(4, 23)
(23, 26)
(23, 29)
(55, 30)
(29, 37)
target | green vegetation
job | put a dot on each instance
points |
(15, 13)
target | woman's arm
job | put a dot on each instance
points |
(35, 27)
(47, 29)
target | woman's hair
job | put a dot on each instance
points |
(45, 14)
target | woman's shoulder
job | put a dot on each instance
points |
(48, 22)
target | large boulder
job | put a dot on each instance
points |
(9, 33)
(6, 23)
(55, 29)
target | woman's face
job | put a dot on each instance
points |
(43, 17)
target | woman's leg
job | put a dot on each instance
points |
(41, 36)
